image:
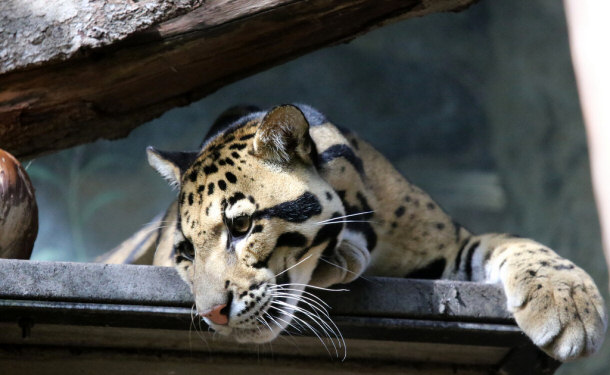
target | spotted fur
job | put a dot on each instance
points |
(323, 207)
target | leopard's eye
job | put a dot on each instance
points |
(239, 226)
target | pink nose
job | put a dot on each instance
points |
(217, 314)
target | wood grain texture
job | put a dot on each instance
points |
(105, 92)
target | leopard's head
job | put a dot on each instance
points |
(249, 231)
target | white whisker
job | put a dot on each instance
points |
(279, 325)
(306, 324)
(262, 320)
(311, 295)
(344, 216)
(294, 265)
(342, 268)
(319, 314)
(313, 316)
(301, 298)
(315, 287)
(348, 221)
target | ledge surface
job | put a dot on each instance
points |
(141, 316)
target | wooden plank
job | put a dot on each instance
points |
(105, 92)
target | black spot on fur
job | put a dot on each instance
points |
(215, 155)
(210, 169)
(190, 199)
(502, 263)
(222, 162)
(327, 232)
(257, 228)
(432, 271)
(200, 189)
(399, 211)
(458, 258)
(431, 206)
(222, 185)
(236, 197)
(210, 188)
(440, 226)
(251, 199)
(341, 151)
(245, 137)
(235, 155)
(329, 196)
(229, 161)
(185, 251)
(469, 256)
(363, 227)
(297, 211)
(193, 175)
(237, 146)
(263, 263)
(231, 177)
(291, 239)
(227, 309)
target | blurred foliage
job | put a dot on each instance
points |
(69, 178)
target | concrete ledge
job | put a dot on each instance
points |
(161, 286)
(130, 313)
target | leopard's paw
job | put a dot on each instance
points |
(557, 305)
(345, 265)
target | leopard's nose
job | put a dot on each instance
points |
(218, 314)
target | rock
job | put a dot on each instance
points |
(18, 210)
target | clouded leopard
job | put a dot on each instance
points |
(279, 199)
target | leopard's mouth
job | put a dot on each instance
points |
(285, 310)
(259, 321)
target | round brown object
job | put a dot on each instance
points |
(18, 210)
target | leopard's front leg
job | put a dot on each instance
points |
(555, 302)
(345, 264)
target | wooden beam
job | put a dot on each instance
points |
(105, 90)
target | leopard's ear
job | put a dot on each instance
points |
(283, 136)
(170, 165)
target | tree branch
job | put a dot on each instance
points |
(104, 84)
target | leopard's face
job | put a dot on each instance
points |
(251, 228)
